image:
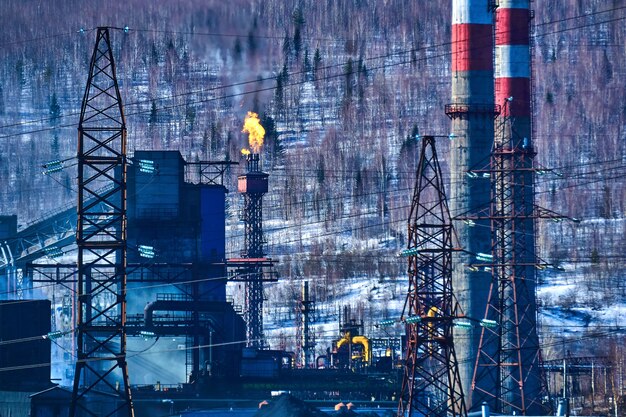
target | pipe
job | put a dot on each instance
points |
(195, 329)
(174, 305)
(563, 408)
(432, 313)
(324, 359)
(367, 352)
(358, 340)
(345, 339)
(485, 409)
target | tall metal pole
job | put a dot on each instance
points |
(307, 308)
(101, 368)
(431, 385)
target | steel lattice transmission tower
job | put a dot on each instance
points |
(431, 385)
(307, 308)
(508, 366)
(101, 367)
(253, 185)
(508, 373)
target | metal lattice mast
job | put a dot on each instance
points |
(101, 367)
(255, 187)
(299, 353)
(307, 307)
(431, 385)
(508, 366)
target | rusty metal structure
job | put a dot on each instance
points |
(507, 373)
(306, 336)
(432, 383)
(101, 368)
(253, 185)
(508, 369)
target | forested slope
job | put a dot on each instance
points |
(343, 88)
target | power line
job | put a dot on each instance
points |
(606, 333)
(82, 31)
(238, 35)
(326, 77)
(321, 202)
(355, 229)
(44, 38)
(307, 205)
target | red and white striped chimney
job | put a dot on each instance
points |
(512, 70)
(472, 31)
(472, 113)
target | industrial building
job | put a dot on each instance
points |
(176, 301)
(183, 225)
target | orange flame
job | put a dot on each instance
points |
(256, 132)
(245, 151)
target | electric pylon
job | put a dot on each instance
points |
(508, 373)
(101, 367)
(431, 385)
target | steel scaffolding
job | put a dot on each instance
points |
(253, 185)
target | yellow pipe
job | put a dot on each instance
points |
(345, 339)
(367, 353)
(432, 312)
(359, 340)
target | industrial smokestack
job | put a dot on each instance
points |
(472, 111)
(512, 72)
(253, 185)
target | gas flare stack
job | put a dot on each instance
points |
(253, 185)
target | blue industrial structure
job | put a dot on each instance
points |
(184, 225)
(24, 353)
(177, 209)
